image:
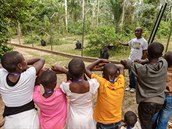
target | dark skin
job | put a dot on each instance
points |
(95, 64)
(90, 67)
(49, 88)
(80, 87)
(75, 87)
(150, 60)
(22, 66)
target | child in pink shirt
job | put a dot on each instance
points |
(52, 102)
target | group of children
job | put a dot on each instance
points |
(71, 104)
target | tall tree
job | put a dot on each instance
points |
(116, 9)
(66, 15)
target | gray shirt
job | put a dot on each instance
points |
(151, 81)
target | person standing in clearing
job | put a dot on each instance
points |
(138, 51)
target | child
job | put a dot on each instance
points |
(130, 120)
(52, 103)
(151, 84)
(17, 84)
(108, 109)
(80, 94)
(166, 112)
(138, 51)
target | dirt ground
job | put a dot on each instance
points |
(129, 102)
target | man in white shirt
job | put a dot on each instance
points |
(138, 51)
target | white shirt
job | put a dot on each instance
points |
(21, 93)
(80, 110)
(136, 126)
(137, 47)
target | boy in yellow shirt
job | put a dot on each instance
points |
(108, 109)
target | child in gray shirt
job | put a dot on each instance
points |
(151, 83)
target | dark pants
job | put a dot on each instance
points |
(133, 79)
(108, 126)
(146, 111)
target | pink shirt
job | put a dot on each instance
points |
(53, 110)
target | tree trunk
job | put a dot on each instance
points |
(83, 9)
(19, 34)
(122, 15)
(97, 19)
(66, 15)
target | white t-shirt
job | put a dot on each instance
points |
(21, 93)
(137, 47)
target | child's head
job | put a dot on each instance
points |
(155, 50)
(109, 71)
(138, 32)
(76, 68)
(130, 119)
(48, 79)
(168, 57)
(13, 62)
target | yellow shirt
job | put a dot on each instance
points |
(108, 108)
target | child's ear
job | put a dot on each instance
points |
(19, 66)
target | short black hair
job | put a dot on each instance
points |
(155, 50)
(109, 69)
(130, 118)
(10, 60)
(168, 57)
(48, 78)
(76, 68)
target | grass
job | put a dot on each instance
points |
(66, 44)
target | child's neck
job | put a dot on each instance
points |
(78, 80)
(48, 92)
(153, 61)
(139, 37)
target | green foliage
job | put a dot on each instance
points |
(102, 37)
(75, 27)
(163, 29)
(34, 39)
(3, 49)
(147, 15)
(116, 9)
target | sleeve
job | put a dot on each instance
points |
(130, 42)
(136, 68)
(99, 79)
(94, 85)
(64, 87)
(37, 92)
(121, 80)
(31, 72)
(145, 45)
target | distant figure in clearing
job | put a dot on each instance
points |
(78, 45)
(43, 43)
(104, 54)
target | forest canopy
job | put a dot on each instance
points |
(105, 21)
